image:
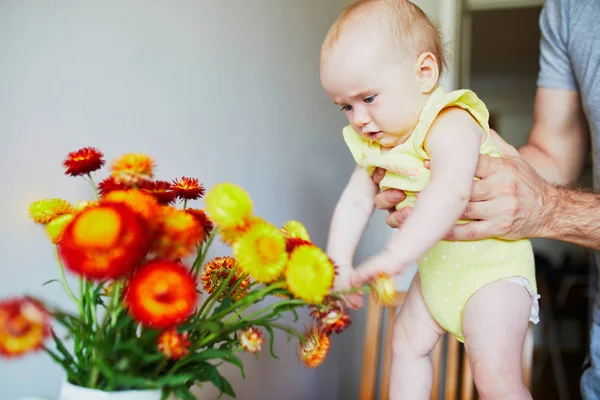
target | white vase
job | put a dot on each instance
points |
(72, 392)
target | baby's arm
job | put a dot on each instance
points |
(452, 144)
(350, 217)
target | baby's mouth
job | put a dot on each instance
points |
(374, 135)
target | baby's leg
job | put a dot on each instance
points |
(494, 324)
(415, 335)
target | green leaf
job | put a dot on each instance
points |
(50, 281)
(126, 381)
(209, 373)
(176, 380)
(184, 393)
(271, 340)
(61, 348)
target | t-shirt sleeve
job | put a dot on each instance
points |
(555, 64)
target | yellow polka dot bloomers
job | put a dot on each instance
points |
(451, 272)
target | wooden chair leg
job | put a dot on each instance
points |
(387, 355)
(452, 370)
(467, 387)
(436, 358)
(371, 352)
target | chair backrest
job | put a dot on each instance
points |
(450, 362)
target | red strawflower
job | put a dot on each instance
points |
(83, 161)
(188, 188)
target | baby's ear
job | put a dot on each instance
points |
(428, 72)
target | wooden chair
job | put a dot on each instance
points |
(458, 380)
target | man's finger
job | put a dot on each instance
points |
(378, 175)
(473, 230)
(503, 146)
(483, 190)
(487, 165)
(482, 210)
(389, 198)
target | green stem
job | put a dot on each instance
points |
(249, 300)
(94, 188)
(217, 293)
(184, 204)
(63, 278)
(287, 329)
(263, 310)
(202, 254)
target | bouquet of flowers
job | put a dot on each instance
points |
(150, 313)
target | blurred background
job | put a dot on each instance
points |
(229, 90)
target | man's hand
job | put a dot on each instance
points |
(388, 199)
(509, 201)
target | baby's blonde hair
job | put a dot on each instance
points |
(408, 27)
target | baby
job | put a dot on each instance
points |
(381, 63)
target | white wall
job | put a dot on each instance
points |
(223, 90)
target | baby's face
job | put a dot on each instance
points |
(380, 97)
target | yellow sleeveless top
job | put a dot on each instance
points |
(405, 163)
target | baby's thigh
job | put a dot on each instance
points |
(415, 327)
(495, 321)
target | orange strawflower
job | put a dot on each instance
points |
(188, 188)
(162, 191)
(133, 168)
(251, 339)
(103, 242)
(83, 161)
(24, 326)
(200, 216)
(217, 270)
(172, 344)
(161, 294)
(331, 316)
(142, 203)
(313, 347)
(110, 185)
(384, 289)
(45, 210)
(179, 234)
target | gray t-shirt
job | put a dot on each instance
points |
(570, 59)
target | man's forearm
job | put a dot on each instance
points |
(574, 217)
(543, 164)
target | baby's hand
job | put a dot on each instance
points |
(382, 263)
(343, 281)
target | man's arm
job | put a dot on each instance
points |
(558, 143)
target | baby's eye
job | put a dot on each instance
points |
(369, 99)
(347, 108)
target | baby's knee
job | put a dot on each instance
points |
(486, 375)
(407, 343)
